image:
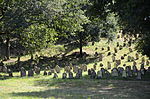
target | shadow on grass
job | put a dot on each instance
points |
(89, 89)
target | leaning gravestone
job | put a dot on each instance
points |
(30, 72)
(114, 72)
(99, 75)
(120, 70)
(64, 75)
(23, 72)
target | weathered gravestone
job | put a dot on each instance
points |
(108, 48)
(37, 70)
(89, 71)
(113, 58)
(135, 70)
(124, 74)
(30, 72)
(137, 56)
(75, 69)
(23, 72)
(64, 75)
(57, 69)
(70, 75)
(114, 72)
(99, 74)
(115, 50)
(100, 57)
(139, 77)
(120, 70)
(108, 65)
(93, 74)
(10, 73)
(128, 70)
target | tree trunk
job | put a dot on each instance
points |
(18, 62)
(80, 35)
(7, 48)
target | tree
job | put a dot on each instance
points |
(134, 18)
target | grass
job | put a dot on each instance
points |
(39, 86)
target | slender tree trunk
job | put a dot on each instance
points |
(18, 61)
(80, 35)
(7, 48)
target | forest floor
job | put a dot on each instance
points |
(41, 86)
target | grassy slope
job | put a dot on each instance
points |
(85, 88)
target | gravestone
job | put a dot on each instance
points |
(89, 71)
(99, 75)
(108, 65)
(113, 58)
(84, 68)
(67, 69)
(49, 73)
(55, 75)
(114, 72)
(143, 60)
(101, 64)
(129, 58)
(77, 76)
(70, 75)
(94, 66)
(122, 57)
(57, 69)
(4, 69)
(124, 65)
(103, 71)
(10, 73)
(80, 72)
(135, 70)
(100, 57)
(109, 53)
(142, 71)
(124, 74)
(23, 72)
(130, 50)
(139, 76)
(147, 62)
(52, 70)
(37, 70)
(115, 50)
(142, 66)
(93, 74)
(108, 48)
(1, 68)
(117, 44)
(103, 49)
(118, 62)
(75, 69)
(64, 75)
(120, 70)
(96, 54)
(137, 56)
(30, 72)
(45, 73)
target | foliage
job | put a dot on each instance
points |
(135, 19)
